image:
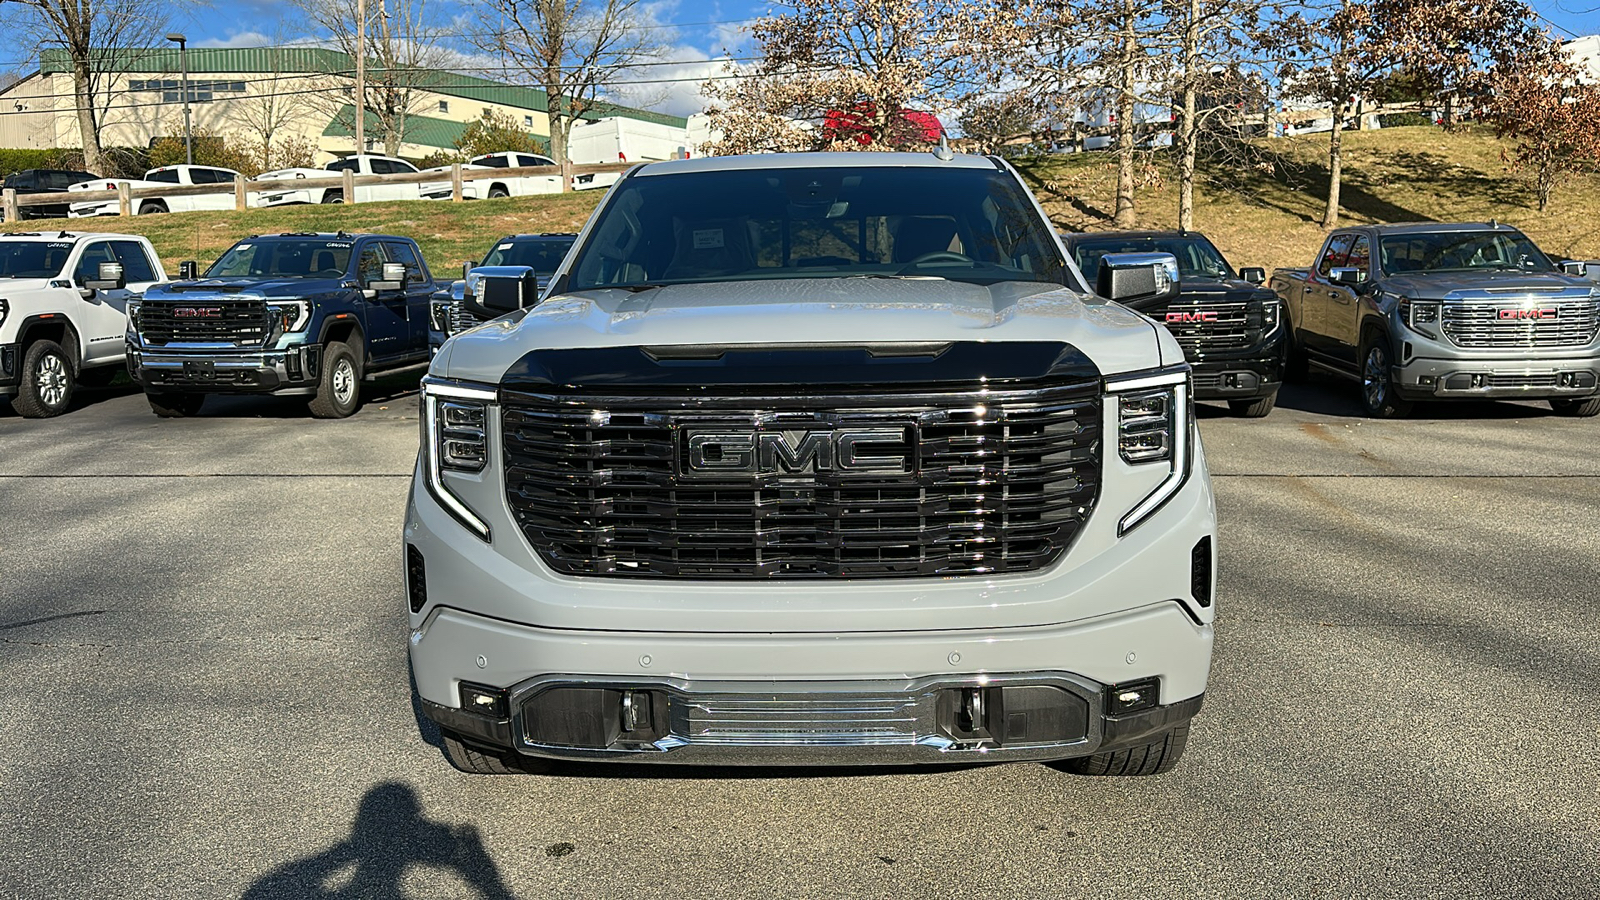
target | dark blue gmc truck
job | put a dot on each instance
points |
(305, 314)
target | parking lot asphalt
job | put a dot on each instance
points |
(203, 689)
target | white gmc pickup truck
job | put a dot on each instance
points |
(813, 458)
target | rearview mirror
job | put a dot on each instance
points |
(502, 289)
(1138, 279)
(1348, 276)
(110, 278)
(188, 270)
(1253, 274)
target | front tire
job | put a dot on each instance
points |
(1377, 385)
(152, 207)
(47, 382)
(469, 759)
(339, 391)
(1254, 409)
(498, 193)
(175, 406)
(1154, 758)
(1577, 409)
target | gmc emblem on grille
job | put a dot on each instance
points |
(1184, 318)
(1537, 313)
(198, 312)
(858, 450)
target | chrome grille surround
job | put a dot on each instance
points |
(1000, 482)
(1478, 324)
(461, 318)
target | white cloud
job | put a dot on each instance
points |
(238, 39)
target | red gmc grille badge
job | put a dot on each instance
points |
(197, 312)
(1536, 313)
(1185, 318)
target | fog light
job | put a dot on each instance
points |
(483, 701)
(1132, 697)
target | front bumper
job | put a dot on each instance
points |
(1497, 379)
(10, 368)
(289, 198)
(293, 370)
(1240, 374)
(91, 210)
(469, 191)
(781, 699)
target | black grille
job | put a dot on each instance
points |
(237, 320)
(1229, 331)
(998, 482)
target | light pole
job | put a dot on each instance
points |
(183, 66)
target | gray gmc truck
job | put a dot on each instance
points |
(813, 458)
(1445, 312)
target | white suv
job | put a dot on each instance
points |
(63, 312)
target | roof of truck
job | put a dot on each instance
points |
(71, 235)
(1129, 235)
(1433, 227)
(814, 161)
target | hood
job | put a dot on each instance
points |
(299, 172)
(281, 287)
(1198, 291)
(813, 311)
(12, 286)
(1468, 285)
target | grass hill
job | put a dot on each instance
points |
(1260, 215)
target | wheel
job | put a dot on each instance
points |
(333, 196)
(469, 759)
(339, 391)
(1377, 390)
(175, 406)
(1154, 758)
(497, 192)
(1254, 409)
(1578, 409)
(99, 376)
(47, 382)
(152, 207)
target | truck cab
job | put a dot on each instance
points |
(157, 178)
(357, 164)
(302, 314)
(63, 311)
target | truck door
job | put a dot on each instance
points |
(385, 314)
(1317, 299)
(101, 319)
(418, 294)
(1342, 315)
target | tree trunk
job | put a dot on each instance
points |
(1188, 127)
(560, 125)
(1124, 216)
(88, 132)
(1330, 215)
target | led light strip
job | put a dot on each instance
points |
(432, 391)
(1182, 456)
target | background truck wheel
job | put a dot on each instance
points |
(497, 192)
(473, 761)
(47, 382)
(175, 406)
(1254, 409)
(339, 391)
(152, 207)
(1377, 389)
(333, 196)
(1578, 409)
(1154, 758)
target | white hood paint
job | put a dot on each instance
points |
(814, 311)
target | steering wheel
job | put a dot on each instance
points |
(949, 256)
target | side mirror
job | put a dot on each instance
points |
(110, 278)
(1253, 274)
(502, 289)
(188, 270)
(1138, 279)
(1348, 276)
(466, 269)
(1574, 268)
(392, 279)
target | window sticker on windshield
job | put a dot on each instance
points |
(338, 245)
(243, 247)
(503, 247)
(63, 245)
(707, 238)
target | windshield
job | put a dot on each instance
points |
(543, 255)
(33, 259)
(283, 259)
(1196, 257)
(1460, 251)
(974, 225)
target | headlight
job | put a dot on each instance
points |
(133, 314)
(439, 313)
(1154, 427)
(1420, 316)
(473, 280)
(455, 438)
(1262, 313)
(5, 310)
(290, 315)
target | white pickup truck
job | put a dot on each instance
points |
(360, 164)
(64, 316)
(157, 178)
(518, 186)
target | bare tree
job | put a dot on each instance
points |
(404, 56)
(101, 39)
(272, 114)
(574, 49)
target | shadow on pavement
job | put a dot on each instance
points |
(389, 836)
(1328, 396)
